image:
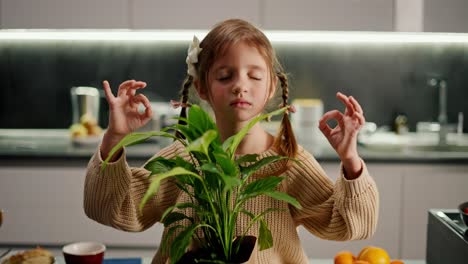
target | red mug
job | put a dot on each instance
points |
(84, 253)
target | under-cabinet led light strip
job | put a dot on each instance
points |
(274, 36)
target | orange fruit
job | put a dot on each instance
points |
(374, 255)
(397, 261)
(344, 257)
(360, 262)
(364, 249)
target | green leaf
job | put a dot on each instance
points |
(284, 197)
(231, 144)
(247, 158)
(228, 181)
(247, 171)
(261, 186)
(185, 131)
(159, 165)
(202, 143)
(156, 182)
(199, 120)
(174, 217)
(211, 167)
(177, 206)
(132, 139)
(181, 242)
(172, 229)
(226, 164)
(250, 214)
(265, 239)
(180, 162)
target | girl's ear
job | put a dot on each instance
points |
(201, 93)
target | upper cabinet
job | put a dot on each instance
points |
(341, 15)
(445, 16)
(64, 14)
(181, 14)
(431, 16)
(357, 15)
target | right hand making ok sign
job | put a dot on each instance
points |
(124, 116)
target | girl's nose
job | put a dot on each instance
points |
(239, 87)
(236, 89)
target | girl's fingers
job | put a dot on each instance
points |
(323, 125)
(108, 91)
(325, 128)
(360, 118)
(124, 86)
(346, 101)
(333, 114)
(140, 98)
(131, 91)
(356, 105)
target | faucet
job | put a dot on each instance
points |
(441, 85)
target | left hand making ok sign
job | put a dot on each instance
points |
(343, 137)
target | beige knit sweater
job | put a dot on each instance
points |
(344, 210)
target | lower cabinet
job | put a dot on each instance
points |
(43, 206)
(438, 186)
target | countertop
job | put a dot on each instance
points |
(147, 260)
(57, 144)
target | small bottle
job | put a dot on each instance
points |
(401, 124)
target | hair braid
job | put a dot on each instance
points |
(184, 96)
(285, 141)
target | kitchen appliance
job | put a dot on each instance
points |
(447, 237)
(305, 120)
(85, 101)
(164, 115)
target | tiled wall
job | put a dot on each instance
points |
(36, 77)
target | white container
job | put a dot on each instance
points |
(305, 121)
(85, 101)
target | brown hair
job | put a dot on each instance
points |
(216, 42)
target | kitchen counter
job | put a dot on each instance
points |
(147, 260)
(57, 144)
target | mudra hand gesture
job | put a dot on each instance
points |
(124, 116)
(343, 137)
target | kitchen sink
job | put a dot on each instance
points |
(413, 142)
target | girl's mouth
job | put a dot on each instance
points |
(240, 103)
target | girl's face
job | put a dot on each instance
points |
(239, 84)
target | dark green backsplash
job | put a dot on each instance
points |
(37, 76)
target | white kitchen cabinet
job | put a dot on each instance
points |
(362, 15)
(389, 181)
(445, 16)
(64, 14)
(180, 14)
(44, 206)
(431, 16)
(425, 187)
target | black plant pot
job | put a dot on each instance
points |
(246, 248)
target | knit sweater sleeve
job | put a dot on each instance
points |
(344, 210)
(112, 197)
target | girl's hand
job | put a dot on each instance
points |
(343, 137)
(124, 117)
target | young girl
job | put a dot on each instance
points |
(235, 70)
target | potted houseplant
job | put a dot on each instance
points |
(215, 179)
